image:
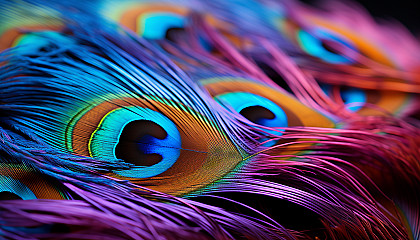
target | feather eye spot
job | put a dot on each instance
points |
(240, 93)
(319, 44)
(353, 98)
(256, 113)
(156, 25)
(11, 188)
(173, 149)
(255, 108)
(41, 41)
(141, 136)
(134, 143)
(153, 21)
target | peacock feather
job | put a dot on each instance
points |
(187, 119)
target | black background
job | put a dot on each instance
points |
(405, 11)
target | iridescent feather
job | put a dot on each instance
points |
(205, 120)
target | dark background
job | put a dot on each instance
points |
(405, 11)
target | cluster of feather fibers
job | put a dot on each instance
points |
(73, 78)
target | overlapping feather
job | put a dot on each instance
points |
(347, 174)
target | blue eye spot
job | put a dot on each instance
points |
(257, 109)
(313, 44)
(13, 189)
(36, 41)
(349, 95)
(353, 95)
(140, 136)
(155, 25)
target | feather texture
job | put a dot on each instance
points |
(206, 120)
